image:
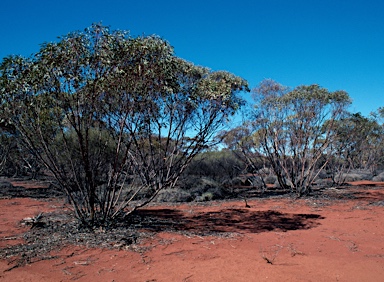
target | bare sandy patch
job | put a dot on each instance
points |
(277, 239)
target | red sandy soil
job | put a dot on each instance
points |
(304, 239)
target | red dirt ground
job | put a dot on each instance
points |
(306, 240)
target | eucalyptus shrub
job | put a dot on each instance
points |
(115, 119)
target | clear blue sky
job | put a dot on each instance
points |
(334, 43)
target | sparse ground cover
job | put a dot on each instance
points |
(335, 235)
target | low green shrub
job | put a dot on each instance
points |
(173, 195)
(207, 196)
(354, 175)
(379, 177)
(270, 179)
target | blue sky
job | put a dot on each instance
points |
(334, 43)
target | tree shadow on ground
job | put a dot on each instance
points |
(371, 196)
(359, 193)
(28, 189)
(225, 220)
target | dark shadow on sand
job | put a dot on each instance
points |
(225, 220)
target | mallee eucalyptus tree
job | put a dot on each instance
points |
(115, 119)
(294, 130)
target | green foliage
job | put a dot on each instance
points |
(218, 165)
(381, 112)
(358, 144)
(15, 159)
(379, 177)
(102, 110)
(8, 149)
(174, 195)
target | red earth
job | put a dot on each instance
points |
(276, 239)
